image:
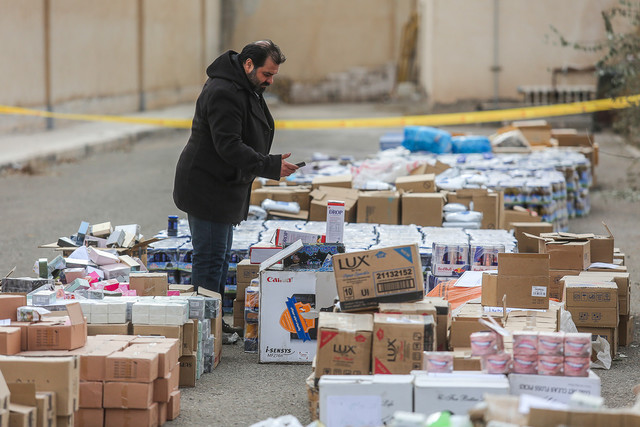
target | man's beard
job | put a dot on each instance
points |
(253, 78)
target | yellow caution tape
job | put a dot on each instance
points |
(524, 113)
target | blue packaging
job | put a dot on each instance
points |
(470, 144)
(424, 138)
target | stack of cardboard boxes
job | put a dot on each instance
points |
(246, 272)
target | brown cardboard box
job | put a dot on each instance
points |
(399, 341)
(344, 344)
(24, 327)
(423, 308)
(21, 415)
(425, 183)
(626, 329)
(537, 132)
(188, 371)
(464, 361)
(298, 194)
(573, 255)
(525, 243)
(46, 408)
(342, 181)
(9, 305)
(245, 272)
(129, 367)
(238, 313)
(65, 333)
(188, 342)
(423, 209)
(91, 394)
(109, 329)
(163, 387)
(321, 196)
(443, 321)
(523, 278)
(127, 395)
(145, 284)
(366, 278)
(379, 207)
(594, 317)
(10, 340)
(490, 203)
(543, 417)
(621, 280)
(173, 407)
(556, 284)
(162, 413)
(65, 420)
(93, 360)
(86, 417)
(461, 328)
(168, 354)
(4, 395)
(609, 334)
(132, 417)
(167, 331)
(589, 294)
(518, 214)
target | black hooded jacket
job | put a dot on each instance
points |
(231, 136)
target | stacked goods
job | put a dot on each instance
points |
(245, 273)
(251, 316)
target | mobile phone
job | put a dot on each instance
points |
(300, 164)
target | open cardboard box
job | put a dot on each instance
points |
(61, 333)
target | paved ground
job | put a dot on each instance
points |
(133, 185)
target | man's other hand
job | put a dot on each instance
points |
(287, 168)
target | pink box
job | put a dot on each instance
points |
(525, 343)
(499, 363)
(525, 363)
(577, 366)
(173, 293)
(550, 365)
(577, 344)
(438, 361)
(483, 343)
(551, 343)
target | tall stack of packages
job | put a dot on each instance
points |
(251, 315)
(245, 273)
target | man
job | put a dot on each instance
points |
(229, 146)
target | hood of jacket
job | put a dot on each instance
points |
(227, 66)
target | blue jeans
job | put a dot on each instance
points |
(211, 253)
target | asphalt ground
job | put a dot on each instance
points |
(134, 183)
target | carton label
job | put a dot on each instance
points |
(539, 291)
(47, 337)
(124, 369)
(326, 336)
(396, 280)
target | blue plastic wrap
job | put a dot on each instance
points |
(470, 144)
(423, 138)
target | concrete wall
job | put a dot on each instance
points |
(108, 57)
(457, 45)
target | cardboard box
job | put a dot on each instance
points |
(57, 374)
(594, 317)
(238, 313)
(621, 280)
(167, 331)
(399, 341)
(127, 395)
(10, 340)
(93, 417)
(523, 278)
(21, 415)
(537, 132)
(461, 329)
(443, 321)
(556, 284)
(298, 194)
(454, 392)
(490, 203)
(589, 294)
(464, 361)
(626, 330)
(162, 413)
(366, 278)
(91, 393)
(173, 406)
(566, 255)
(549, 388)
(342, 181)
(132, 417)
(109, 329)
(188, 342)
(344, 344)
(24, 327)
(65, 420)
(518, 214)
(321, 196)
(163, 387)
(609, 334)
(168, 354)
(424, 308)
(188, 367)
(149, 284)
(59, 333)
(245, 272)
(526, 243)
(424, 183)
(9, 305)
(423, 209)
(93, 360)
(130, 367)
(377, 398)
(379, 207)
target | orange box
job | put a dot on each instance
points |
(132, 417)
(91, 394)
(163, 387)
(129, 367)
(9, 305)
(10, 340)
(86, 417)
(173, 407)
(127, 395)
(64, 333)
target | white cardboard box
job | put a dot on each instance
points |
(454, 392)
(557, 389)
(363, 400)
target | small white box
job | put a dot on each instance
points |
(335, 222)
(455, 392)
(99, 308)
(140, 313)
(553, 388)
(376, 397)
(102, 257)
(99, 318)
(117, 317)
(43, 298)
(177, 313)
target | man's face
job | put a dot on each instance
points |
(261, 77)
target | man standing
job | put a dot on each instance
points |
(231, 136)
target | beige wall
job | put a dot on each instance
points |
(97, 62)
(324, 36)
(456, 45)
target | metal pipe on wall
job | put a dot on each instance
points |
(496, 52)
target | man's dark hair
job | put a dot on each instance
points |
(259, 51)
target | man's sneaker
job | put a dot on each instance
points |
(228, 329)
